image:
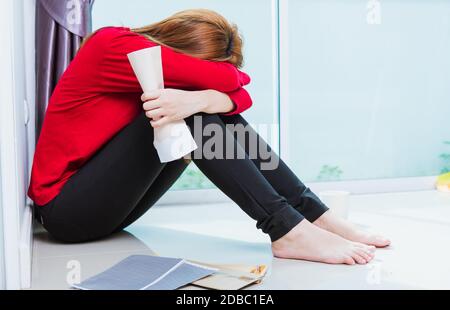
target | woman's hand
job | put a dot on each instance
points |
(168, 105)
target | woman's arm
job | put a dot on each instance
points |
(180, 71)
(168, 105)
(186, 72)
(241, 99)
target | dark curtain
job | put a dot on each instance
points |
(60, 27)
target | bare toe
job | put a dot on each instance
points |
(367, 248)
(380, 241)
(367, 256)
(359, 259)
(349, 261)
(375, 241)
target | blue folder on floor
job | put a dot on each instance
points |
(144, 272)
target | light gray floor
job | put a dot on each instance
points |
(418, 224)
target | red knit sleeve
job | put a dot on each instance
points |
(180, 71)
(241, 99)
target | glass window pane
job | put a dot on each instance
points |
(254, 18)
(368, 92)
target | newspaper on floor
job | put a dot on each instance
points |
(231, 277)
(144, 272)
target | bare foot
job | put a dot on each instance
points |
(309, 242)
(347, 230)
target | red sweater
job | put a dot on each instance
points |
(98, 95)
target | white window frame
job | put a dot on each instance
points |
(366, 186)
(280, 24)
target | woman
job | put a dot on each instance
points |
(95, 169)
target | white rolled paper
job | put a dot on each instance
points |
(174, 140)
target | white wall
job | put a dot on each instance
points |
(2, 259)
(14, 159)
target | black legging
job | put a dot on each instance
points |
(125, 178)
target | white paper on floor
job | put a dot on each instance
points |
(144, 272)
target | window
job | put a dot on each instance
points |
(360, 89)
(259, 28)
(367, 98)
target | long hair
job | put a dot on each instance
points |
(199, 33)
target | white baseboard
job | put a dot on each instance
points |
(357, 187)
(26, 248)
(376, 186)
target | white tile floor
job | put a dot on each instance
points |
(418, 224)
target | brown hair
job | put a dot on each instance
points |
(200, 33)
